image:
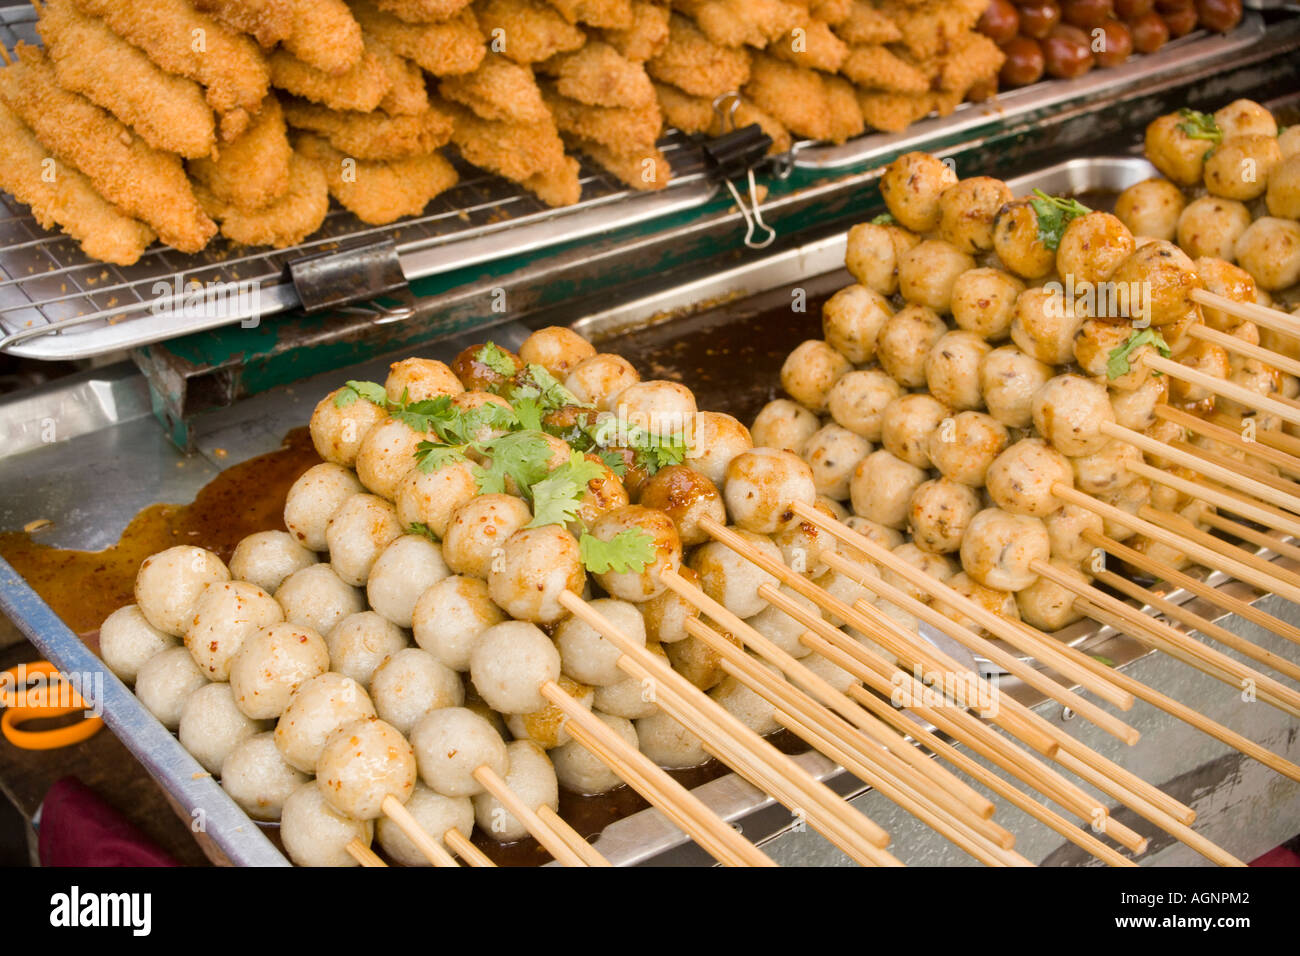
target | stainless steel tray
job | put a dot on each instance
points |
(1194, 52)
(122, 429)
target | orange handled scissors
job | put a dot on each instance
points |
(57, 699)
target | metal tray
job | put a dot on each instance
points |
(1194, 52)
(122, 428)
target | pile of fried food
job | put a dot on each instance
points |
(179, 119)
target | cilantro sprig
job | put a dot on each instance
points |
(884, 219)
(1118, 364)
(557, 497)
(1054, 214)
(372, 392)
(632, 549)
(497, 360)
(1200, 126)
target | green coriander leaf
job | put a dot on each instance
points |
(1102, 660)
(421, 528)
(521, 456)
(632, 549)
(1200, 126)
(884, 219)
(548, 388)
(528, 411)
(617, 464)
(496, 360)
(557, 497)
(1054, 214)
(352, 390)
(1117, 363)
(430, 456)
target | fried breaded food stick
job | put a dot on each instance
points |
(694, 63)
(972, 58)
(408, 94)
(267, 21)
(361, 88)
(644, 170)
(423, 11)
(647, 34)
(515, 151)
(866, 26)
(753, 23)
(619, 129)
(143, 182)
(814, 45)
(60, 197)
(252, 172)
(447, 48)
(611, 14)
(374, 136)
(893, 112)
(527, 31)
(228, 65)
(797, 97)
(325, 35)
(499, 89)
(169, 112)
(557, 186)
(599, 75)
(287, 221)
(876, 68)
(846, 116)
(927, 29)
(833, 12)
(695, 114)
(378, 193)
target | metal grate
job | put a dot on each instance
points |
(57, 303)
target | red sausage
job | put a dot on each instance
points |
(1038, 18)
(1068, 52)
(1118, 44)
(1000, 22)
(1219, 15)
(1149, 32)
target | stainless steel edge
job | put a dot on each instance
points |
(1184, 55)
(197, 792)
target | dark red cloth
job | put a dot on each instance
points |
(79, 829)
(1282, 856)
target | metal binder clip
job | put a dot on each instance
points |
(735, 152)
(344, 277)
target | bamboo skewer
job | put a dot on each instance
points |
(1177, 643)
(572, 838)
(1206, 466)
(551, 839)
(1132, 781)
(1196, 586)
(1221, 497)
(1283, 363)
(998, 785)
(460, 844)
(1271, 437)
(742, 749)
(1282, 485)
(1262, 316)
(1241, 564)
(864, 618)
(887, 679)
(813, 685)
(1198, 623)
(677, 803)
(433, 851)
(1211, 557)
(880, 766)
(363, 854)
(954, 832)
(1284, 410)
(1227, 436)
(1253, 535)
(1009, 662)
(1022, 638)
